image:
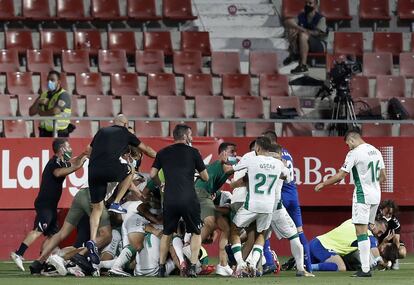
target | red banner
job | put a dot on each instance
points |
(315, 159)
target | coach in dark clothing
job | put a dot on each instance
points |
(179, 163)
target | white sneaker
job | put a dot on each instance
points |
(76, 271)
(118, 272)
(241, 270)
(224, 270)
(18, 260)
(58, 263)
(396, 265)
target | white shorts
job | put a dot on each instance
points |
(116, 243)
(363, 214)
(135, 224)
(244, 218)
(283, 225)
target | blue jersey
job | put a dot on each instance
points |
(289, 190)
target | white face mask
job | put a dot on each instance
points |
(387, 219)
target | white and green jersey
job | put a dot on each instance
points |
(263, 172)
(240, 193)
(365, 162)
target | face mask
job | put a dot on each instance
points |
(137, 164)
(308, 9)
(387, 219)
(232, 160)
(188, 142)
(67, 155)
(51, 86)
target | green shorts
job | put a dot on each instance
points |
(206, 204)
(81, 205)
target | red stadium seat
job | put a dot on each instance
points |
(196, 41)
(291, 8)
(161, 84)
(143, 10)
(99, 106)
(148, 129)
(75, 107)
(89, 40)
(9, 60)
(407, 64)
(406, 130)
(297, 129)
(43, 81)
(257, 129)
(39, 60)
(408, 104)
(89, 83)
(19, 83)
(405, 9)
(248, 107)
(348, 43)
(7, 10)
(5, 107)
(110, 61)
(171, 106)
(149, 61)
(367, 107)
(225, 62)
(177, 10)
(15, 129)
(134, 106)
(377, 64)
(223, 129)
(54, 40)
(209, 107)
(72, 10)
(335, 10)
(285, 102)
(389, 86)
(124, 84)
(36, 9)
(376, 130)
(236, 85)
(388, 42)
(107, 10)
(159, 41)
(75, 61)
(187, 62)
(273, 85)
(198, 85)
(105, 123)
(23, 103)
(83, 129)
(262, 63)
(359, 86)
(192, 125)
(375, 10)
(21, 40)
(122, 40)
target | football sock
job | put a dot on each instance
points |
(364, 250)
(297, 251)
(306, 250)
(257, 254)
(236, 248)
(22, 249)
(325, 266)
(107, 263)
(268, 254)
(178, 247)
(125, 256)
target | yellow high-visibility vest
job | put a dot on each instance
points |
(60, 124)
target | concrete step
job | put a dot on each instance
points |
(236, 9)
(249, 43)
(252, 2)
(246, 32)
(238, 20)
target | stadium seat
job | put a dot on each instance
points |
(335, 10)
(111, 61)
(273, 85)
(161, 84)
(191, 124)
(9, 60)
(198, 85)
(297, 129)
(407, 64)
(24, 102)
(124, 84)
(196, 41)
(223, 129)
(209, 107)
(75, 61)
(187, 62)
(376, 130)
(15, 129)
(225, 62)
(7, 11)
(83, 129)
(75, 107)
(331, 59)
(374, 10)
(248, 107)
(99, 106)
(122, 40)
(236, 85)
(20, 40)
(89, 40)
(377, 64)
(389, 86)
(348, 43)
(149, 61)
(148, 129)
(89, 83)
(171, 106)
(134, 106)
(405, 9)
(261, 62)
(43, 81)
(291, 8)
(54, 40)
(367, 107)
(105, 123)
(19, 83)
(5, 107)
(388, 42)
(257, 129)
(359, 86)
(285, 102)
(408, 104)
(406, 130)
(143, 10)
(159, 41)
(107, 10)
(36, 10)
(39, 61)
(177, 10)
(71, 10)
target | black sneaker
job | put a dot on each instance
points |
(36, 267)
(161, 271)
(192, 273)
(289, 265)
(301, 68)
(291, 58)
(361, 273)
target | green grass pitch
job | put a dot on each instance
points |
(10, 275)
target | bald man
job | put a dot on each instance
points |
(106, 165)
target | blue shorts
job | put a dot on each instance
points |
(293, 209)
(318, 252)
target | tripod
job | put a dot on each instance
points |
(343, 110)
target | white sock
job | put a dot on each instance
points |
(236, 248)
(124, 257)
(297, 251)
(107, 264)
(257, 254)
(178, 247)
(364, 251)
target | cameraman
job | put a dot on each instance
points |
(305, 34)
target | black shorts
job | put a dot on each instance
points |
(46, 221)
(190, 213)
(316, 45)
(98, 178)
